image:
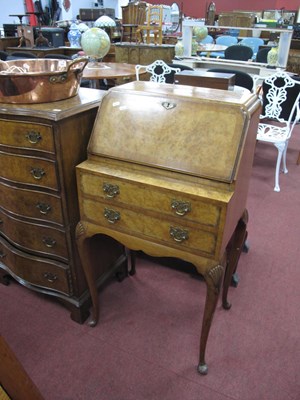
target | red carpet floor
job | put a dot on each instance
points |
(146, 343)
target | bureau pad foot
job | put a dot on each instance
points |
(202, 369)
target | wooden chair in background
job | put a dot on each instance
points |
(153, 26)
(133, 15)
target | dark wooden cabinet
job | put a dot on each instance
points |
(40, 145)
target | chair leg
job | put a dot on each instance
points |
(280, 147)
(284, 168)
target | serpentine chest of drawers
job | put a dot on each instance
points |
(167, 173)
(40, 146)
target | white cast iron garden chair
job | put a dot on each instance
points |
(157, 70)
(281, 111)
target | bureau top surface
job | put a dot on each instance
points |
(196, 131)
(84, 100)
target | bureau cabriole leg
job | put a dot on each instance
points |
(234, 250)
(84, 254)
(213, 279)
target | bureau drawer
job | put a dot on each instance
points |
(35, 238)
(36, 271)
(26, 135)
(172, 232)
(31, 204)
(29, 170)
(165, 201)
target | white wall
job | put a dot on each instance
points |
(11, 7)
(17, 7)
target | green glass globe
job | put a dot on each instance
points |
(200, 32)
(95, 43)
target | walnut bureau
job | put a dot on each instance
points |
(167, 173)
(40, 145)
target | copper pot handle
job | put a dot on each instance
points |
(78, 60)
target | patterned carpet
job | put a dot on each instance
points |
(145, 346)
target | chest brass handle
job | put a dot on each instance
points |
(37, 173)
(110, 190)
(50, 277)
(43, 208)
(33, 137)
(181, 207)
(49, 242)
(112, 216)
(178, 234)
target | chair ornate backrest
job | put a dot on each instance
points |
(281, 95)
(238, 52)
(280, 113)
(153, 24)
(158, 71)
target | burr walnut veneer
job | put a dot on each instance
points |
(40, 145)
(167, 173)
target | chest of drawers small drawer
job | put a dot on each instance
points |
(26, 135)
(150, 226)
(36, 238)
(29, 170)
(164, 201)
(31, 204)
(34, 270)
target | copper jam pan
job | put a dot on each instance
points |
(29, 81)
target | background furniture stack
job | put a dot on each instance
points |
(133, 15)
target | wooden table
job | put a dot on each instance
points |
(96, 71)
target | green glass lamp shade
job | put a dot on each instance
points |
(95, 43)
(200, 32)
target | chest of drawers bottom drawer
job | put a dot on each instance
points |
(39, 272)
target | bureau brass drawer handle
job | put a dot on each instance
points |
(43, 208)
(49, 242)
(2, 255)
(33, 137)
(110, 190)
(50, 277)
(37, 173)
(112, 216)
(181, 207)
(178, 234)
